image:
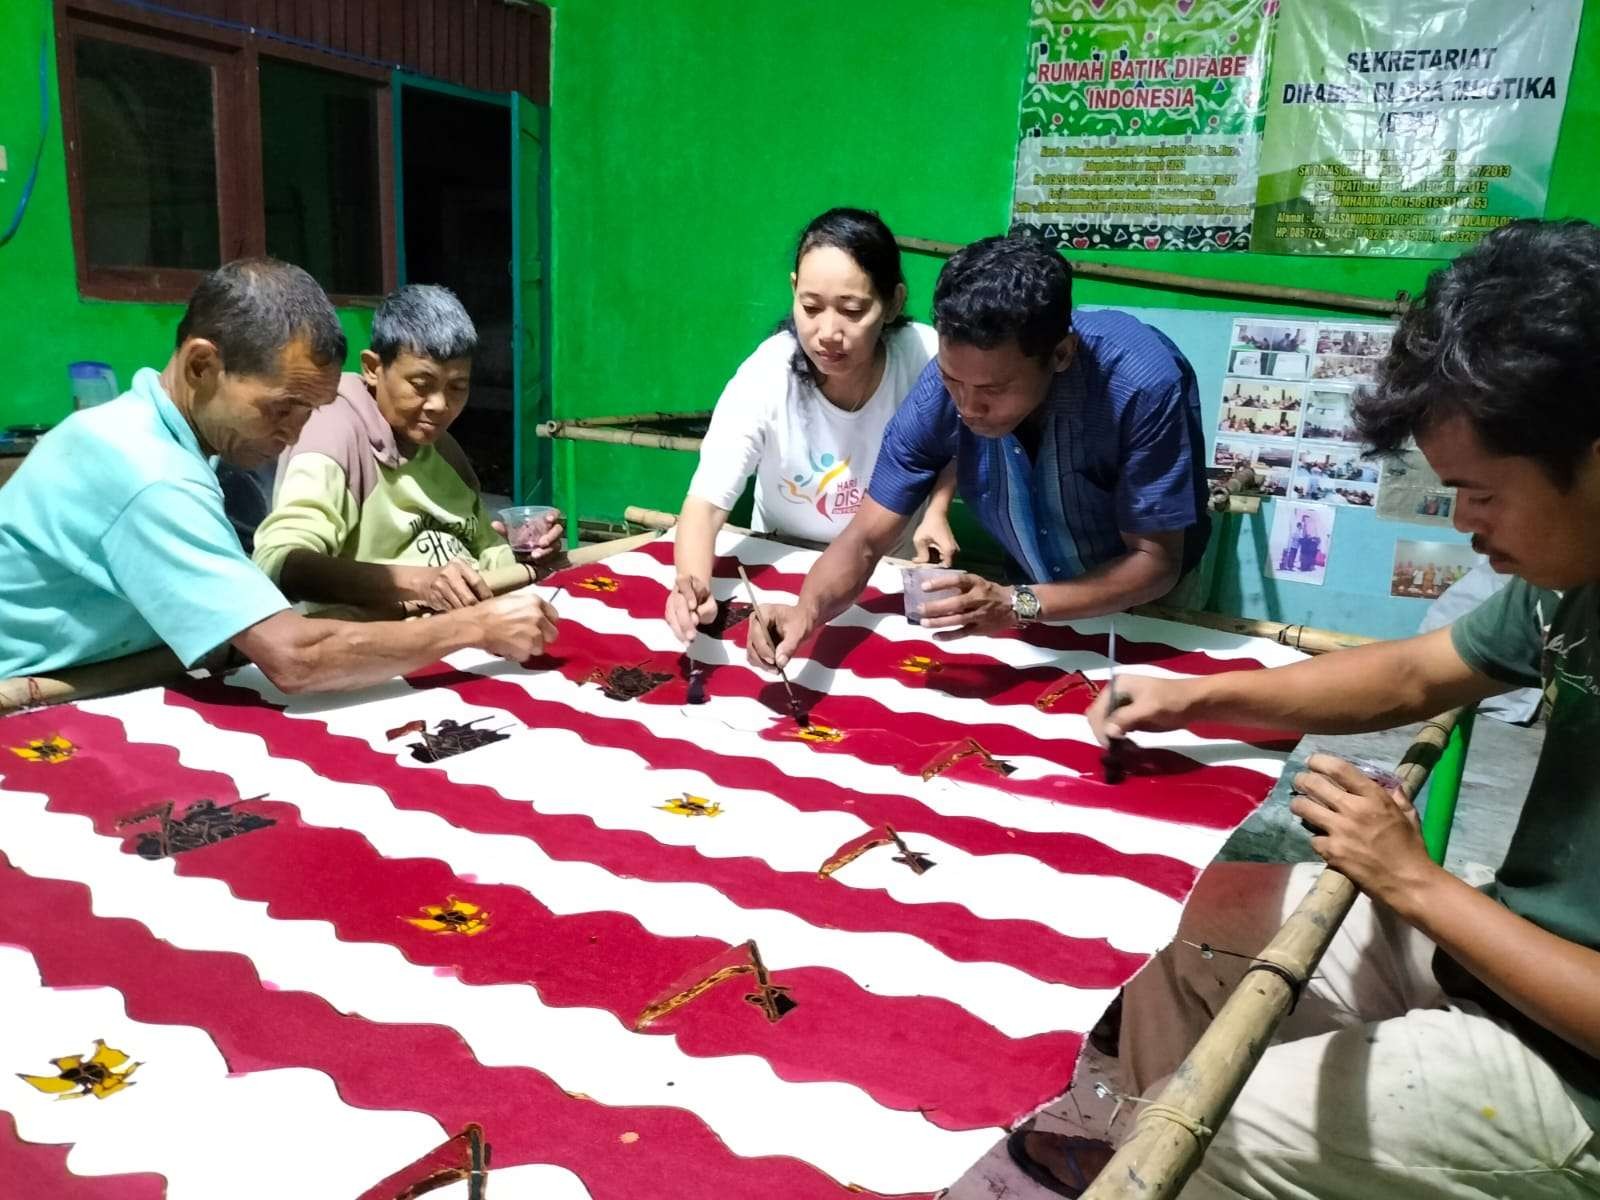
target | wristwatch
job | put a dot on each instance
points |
(1024, 604)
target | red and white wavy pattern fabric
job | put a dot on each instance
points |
(298, 1032)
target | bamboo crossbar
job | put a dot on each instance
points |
(1172, 281)
(1170, 1137)
(644, 418)
(1304, 638)
(144, 669)
(509, 578)
(573, 432)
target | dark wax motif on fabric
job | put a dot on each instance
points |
(448, 738)
(729, 614)
(627, 683)
(52, 749)
(846, 854)
(204, 823)
(450, 1162)
(736, 962)
(103, 1072)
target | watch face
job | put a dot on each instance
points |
(1027, 605)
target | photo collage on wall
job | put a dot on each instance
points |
(1285, 411)
(1286, 407)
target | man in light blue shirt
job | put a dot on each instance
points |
(113, 537)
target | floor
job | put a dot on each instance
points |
(1500, 765)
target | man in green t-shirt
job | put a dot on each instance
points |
(1449, 1043)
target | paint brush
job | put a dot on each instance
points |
(1111, 762)
(800, 717)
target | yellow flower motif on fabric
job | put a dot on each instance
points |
(920, 664)
(817, 733)
(52, 749)
(599, 583)
(692, 806)
(454, 916)
(103, 1073)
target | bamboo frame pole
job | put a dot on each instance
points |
(569, 431)
(509, 578)
(644, 418)
(1304, 638)
(147, 668)
(1172, 281)
(1170, 1137)
(654, 518)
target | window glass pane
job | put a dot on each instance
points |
(147, 157)
(319, 151)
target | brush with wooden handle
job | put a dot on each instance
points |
(795, 710)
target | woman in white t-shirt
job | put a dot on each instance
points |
(805, 413)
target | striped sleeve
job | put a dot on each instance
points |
(919, 443)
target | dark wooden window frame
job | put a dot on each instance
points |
(234, 56)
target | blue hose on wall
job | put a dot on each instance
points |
(44, 128)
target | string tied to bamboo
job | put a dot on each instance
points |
(1154, 1110)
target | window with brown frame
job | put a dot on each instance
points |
(188, 145)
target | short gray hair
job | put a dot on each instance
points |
(425, 319)
(252, 308)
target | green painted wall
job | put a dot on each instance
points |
(44, 324)
(691, 141)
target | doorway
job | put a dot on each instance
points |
(455, 206)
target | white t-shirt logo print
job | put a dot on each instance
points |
(812, 461)
(812, 488)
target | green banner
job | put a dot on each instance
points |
(1410, 127)
(1141, 121)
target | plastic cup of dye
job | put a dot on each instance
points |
(525, 525)
(945, 584)
(1377, 773)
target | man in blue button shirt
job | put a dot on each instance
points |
(1077, 443)
(113, 537)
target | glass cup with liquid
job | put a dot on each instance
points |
(525, 525)
(924, 585)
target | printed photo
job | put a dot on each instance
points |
(1275, 454)
(1275, 483)
(1346, 369)
(1422, 570)
(1258, 393)
(1234, 452)
(1357, 341)
(1327, 415)
(1435, 505)
(1412, 492)
(1302, 537)
(1262, 333)
(1335, 475)
(1273, 364)
(1260, 422)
